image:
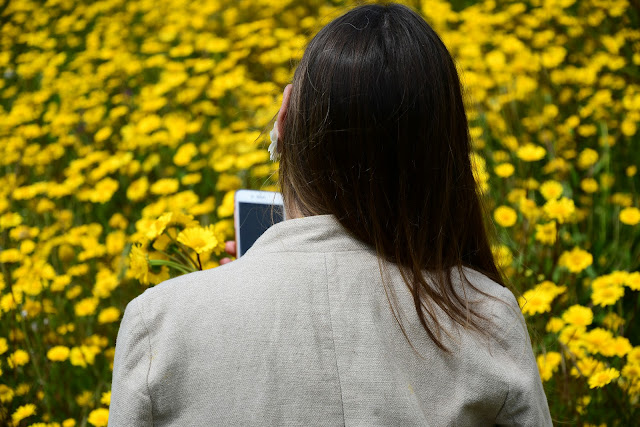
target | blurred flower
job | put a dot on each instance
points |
(504, 170)
(18, 358)
(589, 185)
(58, 353)
(578, 315)
(23, 412)
(105, 399)
(139, 266)
(138, 189)
(531, 153)
(551, 190)
(548, 363)
(109, 315)
(86, 307)
(602, 378)
(587, 158)
(546, 233)
(575, 260)
(561, 210)
(165, 186)
(630, 216)
(505, 216)
(98, 417)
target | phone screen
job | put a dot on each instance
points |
(254, 220)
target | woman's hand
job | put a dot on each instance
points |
(230, 248)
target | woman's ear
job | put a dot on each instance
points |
(283, 109)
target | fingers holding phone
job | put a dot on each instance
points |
(230, 248)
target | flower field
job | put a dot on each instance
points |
(126, 126)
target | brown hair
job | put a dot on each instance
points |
(376, 134)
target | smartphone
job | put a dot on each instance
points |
(255, 211)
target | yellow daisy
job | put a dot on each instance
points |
(200, 239)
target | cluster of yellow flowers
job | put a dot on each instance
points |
(127, 125)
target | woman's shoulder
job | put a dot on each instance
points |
(494, 301)
(485, 287)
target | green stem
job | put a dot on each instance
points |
(185, 254)
(172, 264)
(177, 260)
(32, 354)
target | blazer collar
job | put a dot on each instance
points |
(319, 233)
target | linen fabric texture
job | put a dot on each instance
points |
(299, 332)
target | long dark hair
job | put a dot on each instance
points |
(376, 134)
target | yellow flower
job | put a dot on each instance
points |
(538, 299)
(104, 190)
(589, 185)
(22, 389)
(83, 355)
(85, 398)
(621, 199)
(634, 355)
(613, 321)
(58, 353)
(106, 282)
(138, 265)
(630, 216)
(619, 347)
(102, 134)
(548, 364)
(578, 315)
(502, 255)
(575, 260)
(69, 422)
(607, 295)
(109, 315)
(555, 324)
(200, 239)
(149, 123)
(631, 371)
(115, 242)
(551, 190)
(23, 412)
(105, 399)
(561, 210)
(6, 394)
(632, 281)
(138, 189)
(602, 378)
(546, 233)
(227, 182)
(504, 170)
(505, 216)
(531, 152)
(586, 366)
(10, 256)
(86, 306)
(99, 417)
(191, 179)
(157, 227)
(165, 186)
(534, 302)
(478, 166)
(628, 128)
(3, 345)
(184, 154)
(18, 358)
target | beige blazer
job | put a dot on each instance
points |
(298, 332)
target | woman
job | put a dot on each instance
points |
(379, 303)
